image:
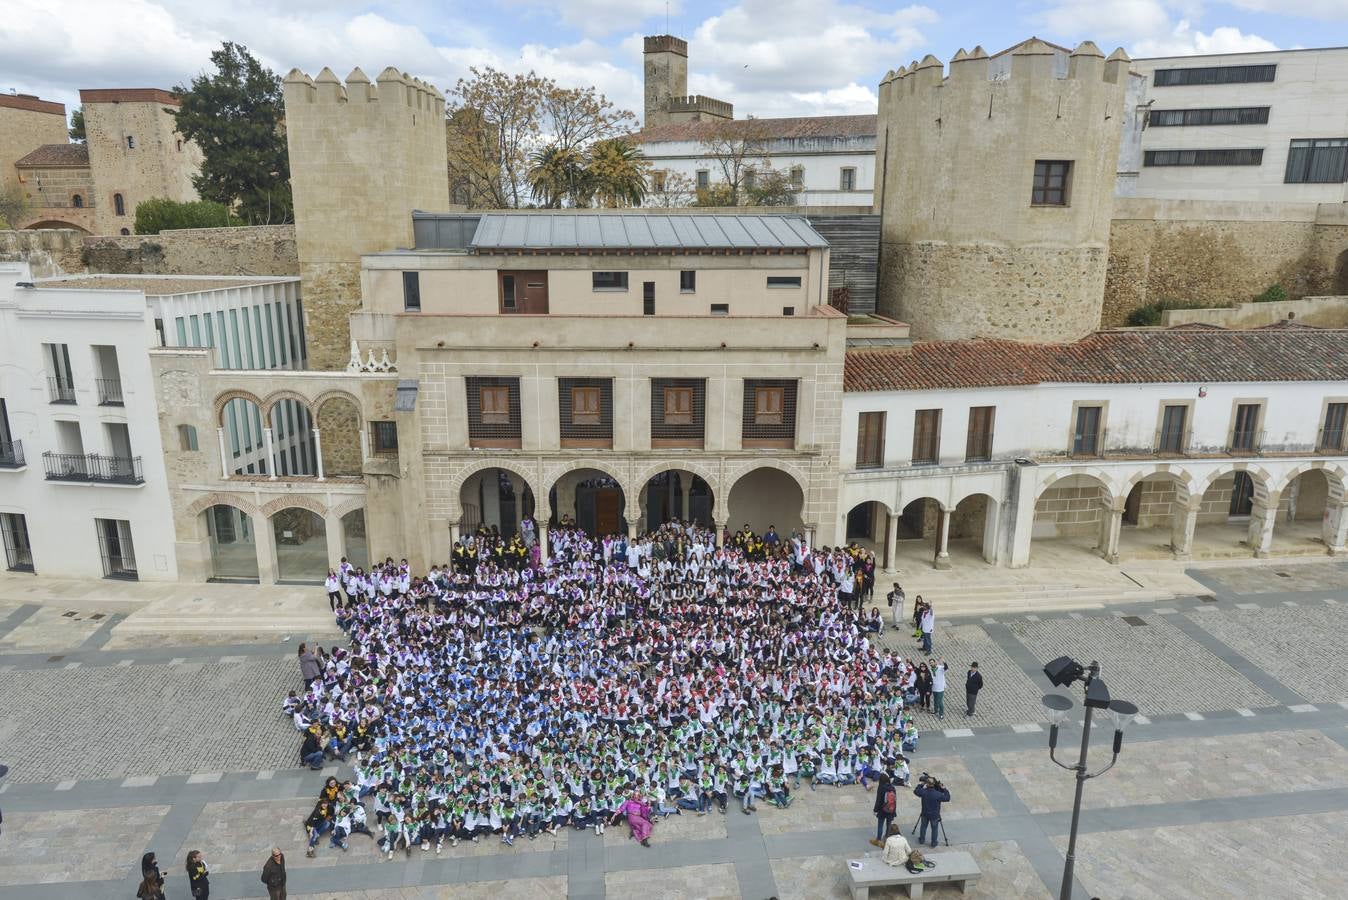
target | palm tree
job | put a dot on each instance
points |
(617, 173)
(557, 174)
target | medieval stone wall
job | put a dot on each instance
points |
(47, 252)
(257, 250)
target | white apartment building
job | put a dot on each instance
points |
(1191, 442)
(1269, 126)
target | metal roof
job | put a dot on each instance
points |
(606, 231)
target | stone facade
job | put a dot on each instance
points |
(47, 252)
(255, 250)
(26, 123)
(53, 192)
(966, 250)
(362, 157)
(136, 152)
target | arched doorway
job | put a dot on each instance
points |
(338, 421)
(496, 499)
(676, 494)
(1070, 516)
(763, 497)
(233, 543)
(354, 545)
(1221, 529)
(301, 545)
(292, 434)
(1154, 514)
(245, 443)
(973, 530)
(1300, 526)
(592, 499)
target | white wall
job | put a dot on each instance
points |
(1308, 98)
(821, 177)
(60, 516)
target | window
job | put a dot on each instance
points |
(783, 281)
(797, 177)
(1331, 435)
(384, 436)
(1052, 182)
(1170, 439)
(18, 551)
(130, 142)
(687, 281)
(118, 205)
(1244, 429)
(114, 543)
(677, 412)
(750, 179)
(658, 181)
(1242, 495)
(180, 145)
(77, 201)
(585, 407)
(125, 232)
(720, 309)
(788, 310)
(847, 179)
(1213, 75)
(187, 438)
(703, 179)
(1319, 161)
(60, 384)
(1250, 157)
(648, 298)
(927, 437)
(870, 440)
(1226, 115)
(493, 412)
(769, 419)
(508, 297)
(412, 291)
(1086, 433)
(608, 281)
(978, 444)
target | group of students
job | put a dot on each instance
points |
(624, 680)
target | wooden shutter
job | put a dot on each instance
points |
(870, 439)
(585, 406)
(495, 405)
(925, 435)
(678, 406)
(768, 406)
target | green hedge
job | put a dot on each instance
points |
(161, 214)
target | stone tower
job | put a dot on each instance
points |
(362, 157)
(26, 123)
(666, 82)
(997, 191)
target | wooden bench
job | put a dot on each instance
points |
(951, 866)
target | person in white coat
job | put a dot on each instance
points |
(896, 598)
(938, 671)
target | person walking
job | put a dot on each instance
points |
(973, 683)
(198, 876)
(886, 805)
(928, 626)
(274, 875)
(938, 687)
(151, 879)
(895, 599)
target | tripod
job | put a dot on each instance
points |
(938, 824)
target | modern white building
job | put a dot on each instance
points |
(1192, 442)
(1270, 126)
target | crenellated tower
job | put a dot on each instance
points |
(997, 189)
(362, 156)
(665, 71)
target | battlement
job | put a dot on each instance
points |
(696, 103)
(666, 43)
(1031, 59)
(390, 87)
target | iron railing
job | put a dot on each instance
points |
(60, 391)
(109, 391)
(1173, 443)
(1088, 446)
(1330, 440)
(1245, 441)
(978, 446)
(11, 455)
(93, 467)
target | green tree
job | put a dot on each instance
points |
(771, 187)
(236, 117)
(1275, 293)
(558, 174)
(14, 205)
(161, 214)
(77, 124)
(616, 173)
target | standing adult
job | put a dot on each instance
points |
(932, 794)
(928, 626)
(274, 874)
(198, 876)
(895, 599)
(310, 670)
(150, 874)
(938, 687)
(973, 683)
(886, 806)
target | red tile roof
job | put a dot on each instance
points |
(56, 156)
(1107, 357)
(800, 126)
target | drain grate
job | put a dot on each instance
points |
(1135, 620)
(56, 658)
(69, 615)
(96, 616)
(1283, 574)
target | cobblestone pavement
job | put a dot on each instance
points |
(1280, 577)
(125, 751)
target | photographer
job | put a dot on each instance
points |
(932, 794)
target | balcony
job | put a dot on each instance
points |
(109, 391)
(1245, 443)
(1088, 445)
(1172, 443)
(11, 455)
(93, 468)
(978, 446)
(59, 391)
(1330, 440)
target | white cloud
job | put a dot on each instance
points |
(1184, 40)
(1311, 9)
(1147, 28)
(597, 18)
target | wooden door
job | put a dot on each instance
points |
(607, 510)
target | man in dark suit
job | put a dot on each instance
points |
(973, 683)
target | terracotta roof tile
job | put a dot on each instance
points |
(1297, 353)
(56, 156)
(800, 126)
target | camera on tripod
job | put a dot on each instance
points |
(929, 781)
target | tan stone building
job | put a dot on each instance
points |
(25, 123)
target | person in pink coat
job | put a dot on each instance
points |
(638, 813)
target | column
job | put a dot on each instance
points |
(891, 542)
(1335, 531)
(720, 532)
(364, 447)
(264, 540)
(1023, 491)
(686, 488)
(332, 530)
(1110, 527)
(632, 529)
(318, 453)
(943, 541)
(271, 458)
(224, 457)
(1182, 531)
(1262, 517)
(453, 532)
(543, 542)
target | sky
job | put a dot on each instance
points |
(768, 57)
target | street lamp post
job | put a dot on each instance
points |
(1062, 672)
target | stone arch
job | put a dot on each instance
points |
(1332, 471)
(1096, 474)
(802, 481)
(269, 402)
(457, 482)
(604, 468)
(334, 394)
(222, 400)
(706, 473)
(1183, 477)
(201, 504)
(337, 416)
(729, 509)
(300, 500)
(348, 506)
(57, 224)
(652, 507)
(1261, 477)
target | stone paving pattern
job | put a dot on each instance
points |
(716, 882)
(50, 628)
(1302, 646)
(1155, 665)
(1280, 577)
(75, 844)
(1006, 874)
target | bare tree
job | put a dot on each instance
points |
(739, 150)
(14, 206)
(574, 118)
(670, 189)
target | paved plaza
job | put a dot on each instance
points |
(1234, 783)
